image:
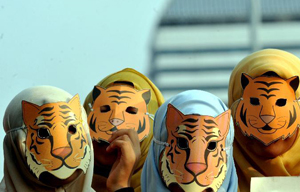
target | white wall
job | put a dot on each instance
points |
(71, 45)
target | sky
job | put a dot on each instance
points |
(71, 44)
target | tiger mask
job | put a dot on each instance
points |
(56, 141)
(268, 108)
(118, 107)
(195, 158)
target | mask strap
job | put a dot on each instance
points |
(161, 142)
(91, 107)
(16, 129)
(226, 148)
(298, 99)
(150, 115)
(168, 145)
(240, 99)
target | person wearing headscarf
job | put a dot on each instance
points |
(47, 146)
(191, 148)
(263, 95)
(121, 102)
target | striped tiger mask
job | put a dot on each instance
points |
(268, 108)
(119, 107)
(195, 158)
(56, 141)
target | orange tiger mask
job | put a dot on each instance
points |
(195, 157)
(268, 108)
(56, 141)
(119, 107)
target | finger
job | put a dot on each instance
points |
(120, 139)
(130, 132)
(131, 135)
(125, 148)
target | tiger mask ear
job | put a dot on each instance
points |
(30, 112)
(96, 92)
(223, 121)
(245, 80)
(75, 106)
(146, 94)
(293, 82)
(174, 117)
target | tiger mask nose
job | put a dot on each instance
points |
(267, 118)
(116, 121)
(196, 167)
(62, 152)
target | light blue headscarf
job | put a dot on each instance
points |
(188, 102)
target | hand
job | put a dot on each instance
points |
(127, 143)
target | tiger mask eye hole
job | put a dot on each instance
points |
(182, 143)
(132, 110)
(212, 145)
(105, 108)
(254, 101)
(281, 102)
(72, 129)
(43, 133)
